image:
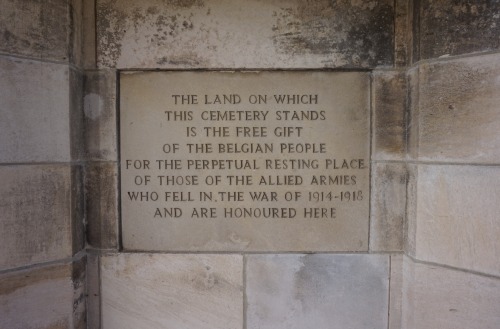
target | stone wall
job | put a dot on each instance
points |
(42, 262)
(432, 259)
(451, 263)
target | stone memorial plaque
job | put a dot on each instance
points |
(245, 161)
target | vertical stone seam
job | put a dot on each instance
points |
(244, 283)
(389, 293)
(370, 174)
(99, 276)
(118, 158)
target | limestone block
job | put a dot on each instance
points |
(317, 291)
(458, 118)
(458, 27)
(437, 297)
(101, 186)
(35, 214)
(388, 206)
(99, 103)
(39, 29)
(456, 217)
(174, 291)
(389, 109)
(43, 298)
(244, 34)
(34, 107)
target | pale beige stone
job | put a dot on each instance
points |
(437, 297)
(244, 34)
(388, 206)
(328, 223)
(42, 298)
(457, 220)
(99, 112)
(35, 111)
(35, 214)
(101, 204)
(175, 291)
(458, 118)
(396, 292)
(317, 291)
(389, 115)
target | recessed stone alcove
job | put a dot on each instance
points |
(424, 250)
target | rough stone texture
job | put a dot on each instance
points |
(93, 292)
(34, 107)
(410, 226)
(40, 29)
(50, 297)
(178, 291)
(457, 220)
(396, 292)
(388, 206)
(37, 206)
(457, 110)
(412, 116)
(76, 116)
(402, 32)
(99, 110)
(457, 27)
(89, 35)
(436, 297)
(317, 291)
(244, 34)
(389, 115)
(101, 189)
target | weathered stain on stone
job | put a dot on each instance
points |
(9, 283)
(100, 115)
(35, 204)
(388, 206)
(36, 28)
(360, 33)
(458, 27)
(111, 28)
(102, 205)
(456, 97)
(164, 23)
(389, 101)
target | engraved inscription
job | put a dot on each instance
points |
(218, 161)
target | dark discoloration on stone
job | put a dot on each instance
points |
(456, 97)
(113, 21)
(111, 27)
(388, 206)
(100, 115)
(402, 32)
(77, 209)
(35, 204)
(389, 102)
(458, 27)
(78, 276)
(102, 205)
(76, 114)
(36, 28)
(360, 33)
